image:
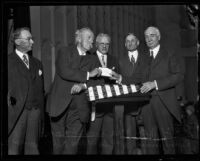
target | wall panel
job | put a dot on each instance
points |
(59, 23)
(46, 44)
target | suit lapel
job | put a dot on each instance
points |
(127, 66)
(32, 68)
(20, 64)
(157, 59)
(99, 63)
(137, 63)
(75, 58)
(109, 61)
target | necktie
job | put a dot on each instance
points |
(103, 61)
(25, 60)
(133, 60)
(150, 62)
(151, 56)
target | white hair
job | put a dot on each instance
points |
(79, 33)
(99, 36)
(155, 29)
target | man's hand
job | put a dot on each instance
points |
(95, 72)
(147, 86)
(77, 88)
(115, 76)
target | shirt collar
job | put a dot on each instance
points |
(20, 54)
(134, 53)
(80, 52)
(100, 54)
(155, 50)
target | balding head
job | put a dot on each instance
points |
(152, 37)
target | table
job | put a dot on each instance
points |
(135, 99)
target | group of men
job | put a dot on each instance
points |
(67, 105)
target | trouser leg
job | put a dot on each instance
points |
(74, 129)
(151, 143)
(165, 125)
(130, 128)
(93, 135)
(32, 132)
(58, 133)
(16, 138)
(107, 134)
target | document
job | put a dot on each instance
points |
(106, 72)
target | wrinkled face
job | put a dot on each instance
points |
(103, 45)
(25, 41)
(87, 38)
(131, 43)
(152, 38)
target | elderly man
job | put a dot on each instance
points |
(103, 123)
(69, 112)
(25, 96)
(164, 74)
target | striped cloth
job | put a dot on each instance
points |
(107, 91)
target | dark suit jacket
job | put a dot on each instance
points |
(71, 68)
(18, 86)
(133, 75)
(111, 62)
(166, 70)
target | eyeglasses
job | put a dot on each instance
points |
(29, 38)
(106, 44)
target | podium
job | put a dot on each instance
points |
(136, 100)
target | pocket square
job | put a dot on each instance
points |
(40, 72)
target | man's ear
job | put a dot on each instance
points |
(17, 41)
(138, 43)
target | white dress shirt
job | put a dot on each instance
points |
(100, 58)
(155, 53)
(20, 54)
(134, 54)
(82, 53)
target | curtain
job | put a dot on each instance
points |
(55, 26)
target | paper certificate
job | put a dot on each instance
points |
(106, 72)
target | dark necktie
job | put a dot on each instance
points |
(103, 61)
(25, 60)
(132, 60)
(151, 57)
(150, 62)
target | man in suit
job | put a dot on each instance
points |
(159, 115)
(103, 123)
(25, 96)
(69, 112)
(132, 65)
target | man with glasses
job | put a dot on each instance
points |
(25, 96)
(103, 123)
